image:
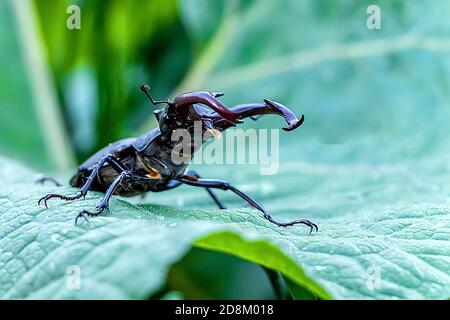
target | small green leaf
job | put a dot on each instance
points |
(263, 253)
(121, 255)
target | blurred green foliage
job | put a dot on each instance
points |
(20, 133)
(120, 45)
(300, 52)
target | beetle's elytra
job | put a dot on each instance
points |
(134, 166)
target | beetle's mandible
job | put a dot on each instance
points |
(134, 166)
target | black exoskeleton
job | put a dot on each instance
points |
(134, 166)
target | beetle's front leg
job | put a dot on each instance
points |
(113, 161)
(220, 184)
(104, 203)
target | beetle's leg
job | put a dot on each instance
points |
(220, 184)
(49, 196)
(47, 178)
(171, 184)
(175, 183)
(104, 203)
(113, 161)
(211, 193)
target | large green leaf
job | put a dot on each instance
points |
(126, 253)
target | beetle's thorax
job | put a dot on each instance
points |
(180, 136)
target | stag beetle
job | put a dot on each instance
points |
(134, 166)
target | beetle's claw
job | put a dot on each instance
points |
(47, 197)
(90, 214)
(55, 195)
(310, 224)
(43, 199)
(85, 213)
(81, 215)
(313, 226)
(306, 222)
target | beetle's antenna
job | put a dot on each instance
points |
(146, 88)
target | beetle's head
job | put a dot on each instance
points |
(190, 111)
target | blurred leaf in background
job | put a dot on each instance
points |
(318, 57)
(99, 68)
(359, 89)
(31, 127)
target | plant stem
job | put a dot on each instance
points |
(276, 282)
